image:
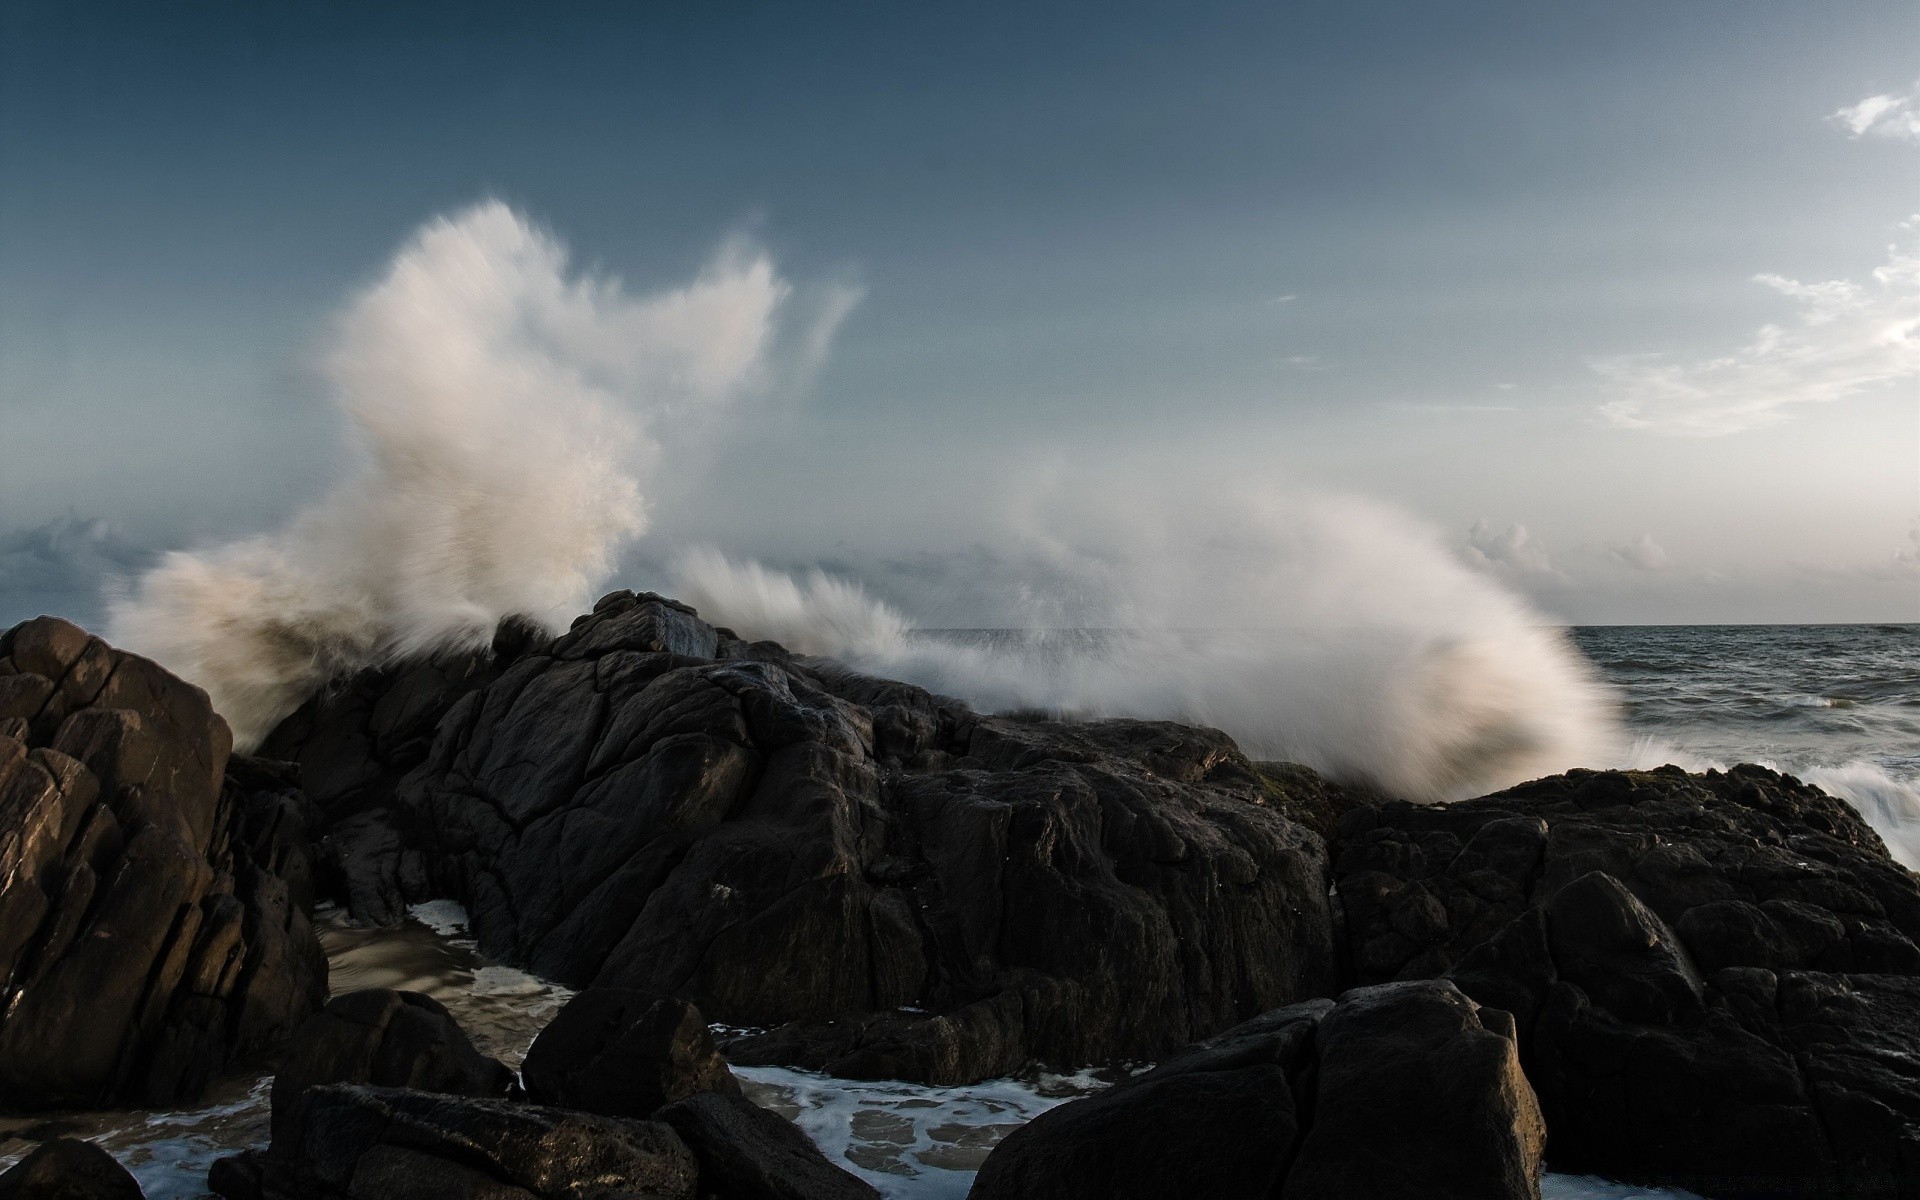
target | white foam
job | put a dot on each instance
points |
(1318, 628)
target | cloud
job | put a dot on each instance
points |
(1303, 362)
(1642, 554)
(1511, 549)
(1886, 116)
(1289, 298)
(1846, 339)
(1418, 406)
(59, 566)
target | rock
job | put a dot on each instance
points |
(387, 1038)
(1420, 1093)
(353, 1142)
(649, 803)
(1750, 868)
(154, 891)
(624, 1054)
(1397, 1090)
(748, 1153)
(68, 1169)
(1642, 927)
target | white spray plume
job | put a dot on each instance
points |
(503, 415)
(1322, 629)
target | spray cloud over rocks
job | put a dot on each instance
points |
(1317, 628)
(504, 417)
(507, 419)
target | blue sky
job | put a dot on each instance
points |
(1497, 263)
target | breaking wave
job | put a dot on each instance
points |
(506, 418)
(502, 414)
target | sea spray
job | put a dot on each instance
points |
(507, 416)
(1318, 628)
(503, 416)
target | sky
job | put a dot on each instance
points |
(1621, 299)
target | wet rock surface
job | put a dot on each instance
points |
(903, 887)
(68, 1169)
(355, 1142)
(748, 1153)
(1397, 1090)
(1652, 933)
(387, 1038)
(624, 1054)
(155, 891)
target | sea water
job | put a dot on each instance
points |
(1838, 706)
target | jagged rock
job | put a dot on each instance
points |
(154, 891)
(908, 888)
(1750, 868)
(624, 1054)
(748, 1153)
(1396, 1090)
(353, 1142)
(387, 1038)
(68, 1169)
(1639, 925)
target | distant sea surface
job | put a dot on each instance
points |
(1836, 705)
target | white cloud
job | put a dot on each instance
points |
(1289, 298)
(1642, 554)
(1510, 549)
(1886, 115)
(1846, 339)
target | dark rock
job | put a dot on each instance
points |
(352, 1142)
(386, 1038)
(624, 1054)
(748, 1153)
(1749, 867)
(1420, 1093)
(68, 1169)
(650, 803)
(154, 890)
(1643, 928)
(1396, 1090)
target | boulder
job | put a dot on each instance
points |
(1395, 1090)
(388, 1038)
(624, 1054)
(748, 1153)
(154, 891)
(1750, 868)
(68, 1169)
(354, 1142)
(649, 803)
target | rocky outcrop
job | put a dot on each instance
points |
(1751, 868)
(610, 1061)
(387, 1038)
(68, 1169)
(1651, 933)
(354, 1142)
(624, 1054)
(748, 1153)
(154, 893)
(904, 887)
(1396, 1090)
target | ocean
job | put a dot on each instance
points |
(1836, 705)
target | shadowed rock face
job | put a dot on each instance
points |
(1397, 1090)
(353, 1142)
(1714, 976)
(154, 895)
(624, 1054)
(906, 887)
(387, 1038)
(68, 1169)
